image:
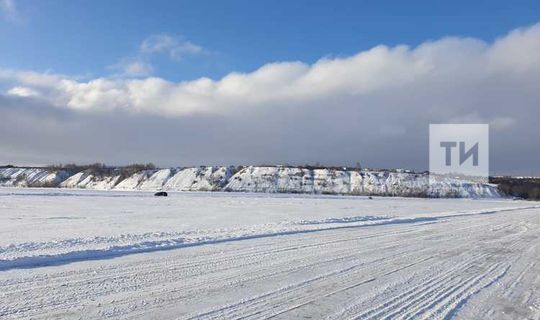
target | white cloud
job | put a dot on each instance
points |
(31, 78)
(140, 65)
(447, 73)
(132, 68)
(22, 92)
(174, 47)
(138, 68)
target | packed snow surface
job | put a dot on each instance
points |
(116, 254)
(266, 179)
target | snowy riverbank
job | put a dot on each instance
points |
(267, 179)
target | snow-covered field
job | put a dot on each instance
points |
(112, 254)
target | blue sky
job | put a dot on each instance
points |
(87, 37)
(265, 82)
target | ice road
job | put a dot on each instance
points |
(128, 255)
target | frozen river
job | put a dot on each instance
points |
(88, 254)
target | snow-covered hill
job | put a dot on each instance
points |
(31, 177)
(270, 179)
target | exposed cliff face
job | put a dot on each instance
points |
(335, 181)
(85, 180)
(254, 179)
(31, 177)
(200, 179)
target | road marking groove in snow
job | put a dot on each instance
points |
(468, 236)
(176, 243)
